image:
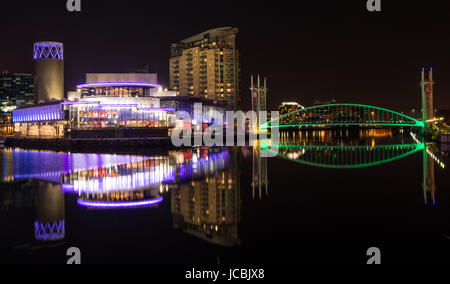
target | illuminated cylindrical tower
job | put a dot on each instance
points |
(48, 71)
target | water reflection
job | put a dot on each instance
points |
(50, 212)
(347, 149)
(202, 185)
(260, 182)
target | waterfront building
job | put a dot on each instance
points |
(6, 126)
(107, 105)
(15, 90)
(48, 58)
(105, 101)
(115, 100)
(203, 112)
(207, 66)
(112, 101)
(286, 110)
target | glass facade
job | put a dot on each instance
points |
(118, 91)
(102, 116)
(207, 111)
(15, 90)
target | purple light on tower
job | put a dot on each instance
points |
(48, 50)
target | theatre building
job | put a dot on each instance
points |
(106, 106)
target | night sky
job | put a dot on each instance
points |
(307, 49)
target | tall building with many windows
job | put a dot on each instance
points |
(15, 90)
(207, 66)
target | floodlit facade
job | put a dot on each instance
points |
(207, 66)
(48, 59)
(105, 101)
(107, 105)
(117, 100)
(290, 107)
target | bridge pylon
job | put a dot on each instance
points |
(259, 101)
(427, 86)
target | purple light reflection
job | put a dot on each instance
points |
(131, 204)
(49, 231)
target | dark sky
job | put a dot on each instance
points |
(307, 49)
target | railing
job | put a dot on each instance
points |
(343, 115)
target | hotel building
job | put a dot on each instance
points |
(207, 66)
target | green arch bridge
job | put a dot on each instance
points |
(345, 157)
(342, 115)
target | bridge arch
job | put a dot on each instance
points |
(345, 157)
(343, 115)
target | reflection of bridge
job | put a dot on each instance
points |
(343, 115)
(347, 157)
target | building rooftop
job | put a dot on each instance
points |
(148, 78)
(213, 33)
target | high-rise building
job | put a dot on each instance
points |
(207, 66)
(15, 90)
(289, 112)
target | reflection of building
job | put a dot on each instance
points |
(429, 181)
(121, 199)
(119, 181)
(128, 175)
(260, 179)
(208, 208)
(207, 66)
(50, 212)
(287, 108)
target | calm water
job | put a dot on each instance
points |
(326, 198)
